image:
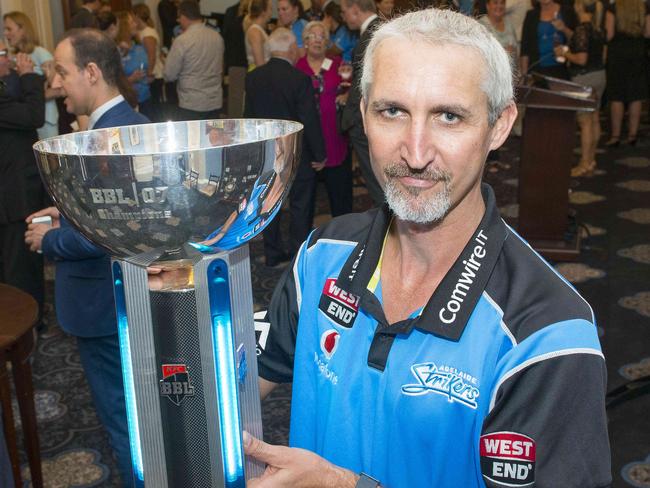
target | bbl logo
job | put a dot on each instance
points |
(175, 383)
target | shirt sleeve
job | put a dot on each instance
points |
(528, 35)
(547, 425)
(28, 111)
(66, 244)
(580, 40)
(174, 61)
(278, 330)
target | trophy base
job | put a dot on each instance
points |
(190, 371)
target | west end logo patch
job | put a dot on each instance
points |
(508, 459)
(447, 381)
(329, 342)
(175, 383)
(338, 305)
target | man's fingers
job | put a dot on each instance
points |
(261, 451)
(49, 212)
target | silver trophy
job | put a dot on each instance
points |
(183, 198)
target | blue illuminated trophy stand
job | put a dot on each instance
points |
(181, 198)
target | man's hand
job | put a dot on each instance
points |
(35, 232)
(294, 468)
(24, 64)
(317, 166)
(34, 236)
(52, 212)
(559, 25)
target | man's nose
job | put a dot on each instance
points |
(418, 147)
(56, 81)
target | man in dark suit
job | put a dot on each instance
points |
(21, 191)
(22, 107)
(86, 16)
(360, 15)
(89, 71)
(277, 90)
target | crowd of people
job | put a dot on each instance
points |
(114, 68)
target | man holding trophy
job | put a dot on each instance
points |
(89, 71)
(427, 343)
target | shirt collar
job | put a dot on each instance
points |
(102, 109)
(287, 60)
(366, 23)
(463, 285)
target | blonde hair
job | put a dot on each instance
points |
(30, 39)
(630, 17)
(123, 28)
(595, 8)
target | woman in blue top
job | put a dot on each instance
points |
(21, 36)
(134, 60)
(289, 16)
(547, 25)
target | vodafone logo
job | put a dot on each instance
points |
(329, 341)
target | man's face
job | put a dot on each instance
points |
(427, 128)
(350, 15)
(75, 82)
(183, 22)
(5, 63)
(496, 8)
(287, 14)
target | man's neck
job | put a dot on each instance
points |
(194, 23)
(435, 246)
(283, 57)
(106, 95)
(365, 16)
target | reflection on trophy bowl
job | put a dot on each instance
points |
(149, 189)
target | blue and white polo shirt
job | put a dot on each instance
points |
(498, 381)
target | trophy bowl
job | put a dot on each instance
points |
(150, 190)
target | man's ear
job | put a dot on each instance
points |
(362, 107)
(501, 129)
(93, 73)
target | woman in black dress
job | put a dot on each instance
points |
(626, 24)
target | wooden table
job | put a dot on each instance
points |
(18, 315)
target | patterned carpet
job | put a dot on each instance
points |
(613, 273)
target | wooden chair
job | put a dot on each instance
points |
(18, 316)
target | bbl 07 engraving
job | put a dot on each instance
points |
(175, 383)
(116, 196)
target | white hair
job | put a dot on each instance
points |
(312, 25)
(438, 27)
(280, 40)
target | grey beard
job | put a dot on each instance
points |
(408, 204)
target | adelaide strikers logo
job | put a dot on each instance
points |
(175, 383)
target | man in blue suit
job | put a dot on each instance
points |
(89, 70)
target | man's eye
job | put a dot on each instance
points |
(391, 112)
(449, 117)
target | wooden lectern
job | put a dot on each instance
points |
(547, 143)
